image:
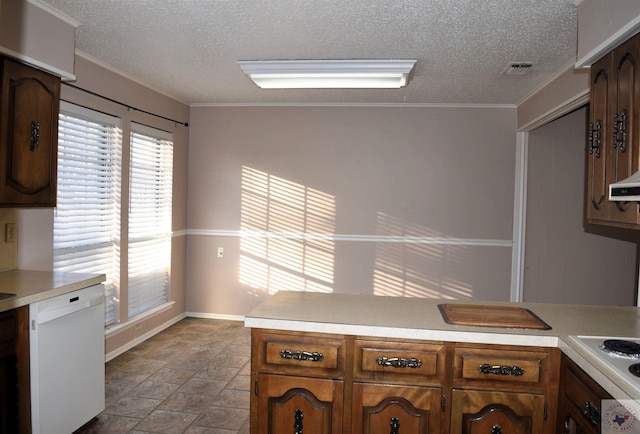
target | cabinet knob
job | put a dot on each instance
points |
(496, 429)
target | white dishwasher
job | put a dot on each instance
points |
(66, 341)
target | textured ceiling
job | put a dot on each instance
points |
(188, 48)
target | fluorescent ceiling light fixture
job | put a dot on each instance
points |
(328, 74)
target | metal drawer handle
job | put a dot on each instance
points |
(516, 371)
(399, 362)
(620, 131)
(395, 425)
(496, 429)
(297, 421)
(590, 412)
(595, 138)
(301, 355)
(34, 140)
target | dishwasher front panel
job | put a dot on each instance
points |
(67, 360)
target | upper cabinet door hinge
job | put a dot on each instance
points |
(443, 403)
(546, 410)
(255, 388)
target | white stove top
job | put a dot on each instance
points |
(620, 365)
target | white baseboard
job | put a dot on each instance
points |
(115, 353)
(215, 316)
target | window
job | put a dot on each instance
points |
(85, 227)
(150, 199)
(87, 235)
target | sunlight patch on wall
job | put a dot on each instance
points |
(428, 269)
(281, 242)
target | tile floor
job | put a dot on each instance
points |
(191, 378)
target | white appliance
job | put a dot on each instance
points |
(625, 363)
(67, 360)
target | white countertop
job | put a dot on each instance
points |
(33, 286)
(419, 318)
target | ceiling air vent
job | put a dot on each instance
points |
(517, 68)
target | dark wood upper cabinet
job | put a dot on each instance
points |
(29, 106)
(613, 143)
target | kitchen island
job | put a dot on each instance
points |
(345, 327)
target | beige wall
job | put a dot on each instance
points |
(568, 91)
(603, 25)
(35, 33)
(35, 226)
(563, 263)
(374, 190)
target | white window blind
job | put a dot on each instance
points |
(150, 197)
(85, 227)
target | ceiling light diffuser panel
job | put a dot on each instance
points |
(328, 74)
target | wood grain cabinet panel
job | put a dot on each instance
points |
(497, 412)
(398, 409)
(399, 361)
(289, 404)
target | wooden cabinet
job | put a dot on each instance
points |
(579, 404)
(613, 151)
(15, 402)
(348, 384)
(395, 408)
(397, 386)
(298, 383)
(29, 106)
(290, 404)
(504, 389)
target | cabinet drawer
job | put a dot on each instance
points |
(398, 361)
(500, 365)
(584, 395)
(308, 354)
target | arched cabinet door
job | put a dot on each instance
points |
(395, 409)
(288, 404)
(29, 106)
(598, 140)
(487, 412)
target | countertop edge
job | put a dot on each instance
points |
(34, 286)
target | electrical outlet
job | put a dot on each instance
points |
(9, 232)
(220, 252)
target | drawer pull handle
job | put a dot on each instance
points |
(620, 131)
(301, 355)
(399, 362)
(496, 429)
(590, 412)
(395, 425)
(516, 371)
(34, 140)
(297, 421)
(595, 138)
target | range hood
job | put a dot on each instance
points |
(627, 190)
